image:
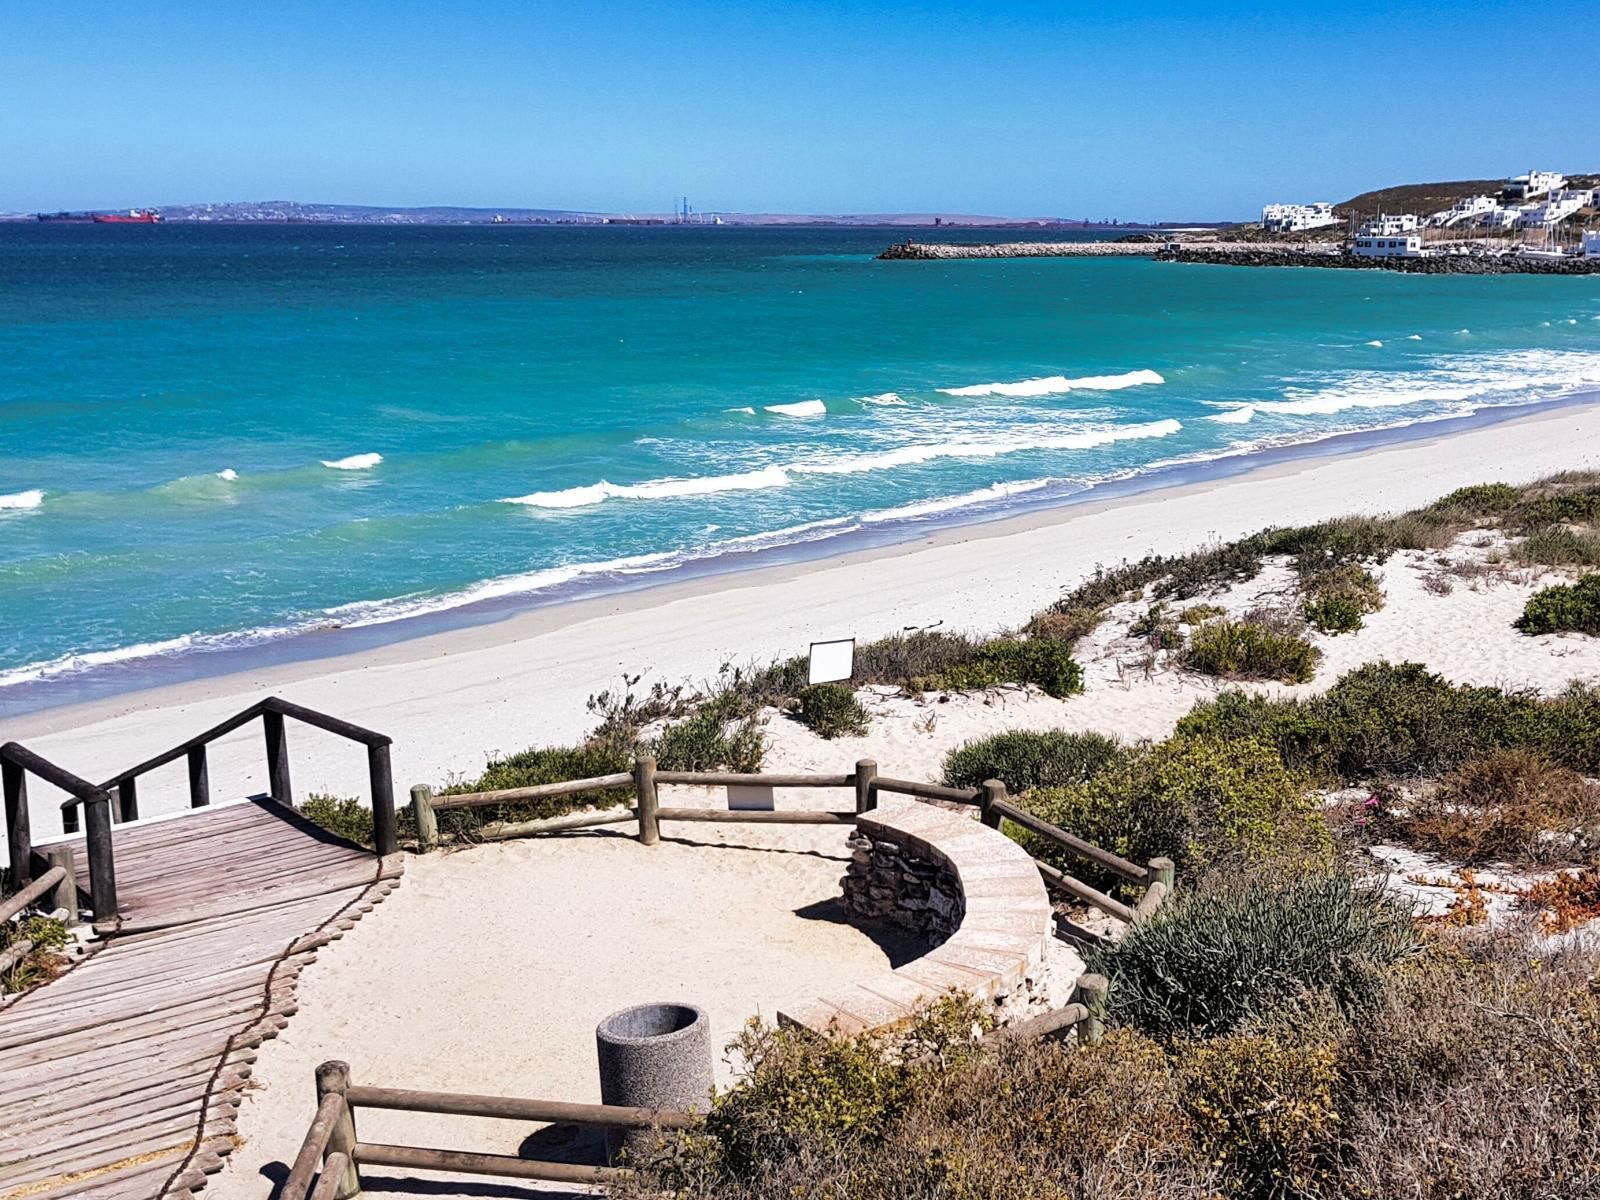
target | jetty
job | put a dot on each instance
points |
(941, 250)
(123, 1076)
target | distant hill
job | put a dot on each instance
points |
(1425, 198)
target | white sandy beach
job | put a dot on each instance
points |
(452, 699)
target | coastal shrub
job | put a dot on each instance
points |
(1250, 650)
(1215, 960)
(1477, 501)
(1047, 665)
(1158, 628)
(44, 960)
(528, 768)
(1575, 507)
(902, 659)
(1201, 802)
(1560, 546)
(1265, 1108)
(1564, 608)
(831, 710)
(1024, 760)
(718, 737)
(1338, 597)
(1066, 627)
(343, 816)
(1333, 615)
(1199, 614)
(1509, 805)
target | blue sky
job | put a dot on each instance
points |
(1136, 111)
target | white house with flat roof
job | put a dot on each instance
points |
(1532, 185)
(1467, 211)
(1560, 205)
(1295, 218)
(1388, 225)
(1372, 246)
(1591, 243)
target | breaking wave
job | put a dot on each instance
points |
(654, 489)
(803, 408)
(849, 464)
(1055, 385)
(356, 462)
(1234, 416)
(32, 498)
(925, 508)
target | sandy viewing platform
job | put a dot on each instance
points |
(451, 699)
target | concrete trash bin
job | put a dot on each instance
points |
(653, 1056)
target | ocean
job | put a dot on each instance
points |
(223, 442)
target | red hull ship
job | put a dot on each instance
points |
(134, 216)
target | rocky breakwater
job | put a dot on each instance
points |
(1433, 264)
(942, 250)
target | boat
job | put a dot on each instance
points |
(134, 216)
(77, 217)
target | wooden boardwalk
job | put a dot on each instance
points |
(122, 1077)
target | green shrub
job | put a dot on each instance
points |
(1387, 720)
(1564, 608)
(1049, 666)
(1067, 626)
(1560, 508)
(1158, 628)
(1024, 760)
(1199, 802)
(1333, 615)
(1249, 650)
(1478, 500)
(343, 816)
(550, 764)
(712, 739)
(1199, 614)
(1213, 961)
(830, 710)
(40, 963)
(1559, 546)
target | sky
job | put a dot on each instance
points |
(1135, 111)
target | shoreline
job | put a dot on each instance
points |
(452, 697)
(268, 650)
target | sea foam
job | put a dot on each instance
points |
(356, 462)
(942, 504)
(32, 498)
(1234, 416)
(1055, 385)
(228, 474)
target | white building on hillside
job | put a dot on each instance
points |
(1560, 205)
(1388, 225)
(1407, 246)
(1591, 243)
(1467, 211)
(1294, 218)
(1533, 184)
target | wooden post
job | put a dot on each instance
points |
(427, 820)
(644, 782)
(1163, 870)
(64, 894)
(383, 836)
(866, 772)
(334, 1076)
(19, 838)
(199, 778)
(102, 864)
(990, 791)
(127, 800)
(1091, 992)
(278, 786)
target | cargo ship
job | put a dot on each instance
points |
(134, 216)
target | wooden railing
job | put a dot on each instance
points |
(328, 1166)
(100, 811)
(993, 804)
(57, 888)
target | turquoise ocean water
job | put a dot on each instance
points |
(215, 439)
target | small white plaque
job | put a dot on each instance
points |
(748, 798)
(832, 662)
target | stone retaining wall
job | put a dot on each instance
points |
(1441, 264)
(999, 925)
(888, 881)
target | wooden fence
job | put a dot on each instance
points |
(328, 1166)
(991, 800)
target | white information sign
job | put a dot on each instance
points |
(832, 662)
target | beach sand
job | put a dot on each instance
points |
(452, 699)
